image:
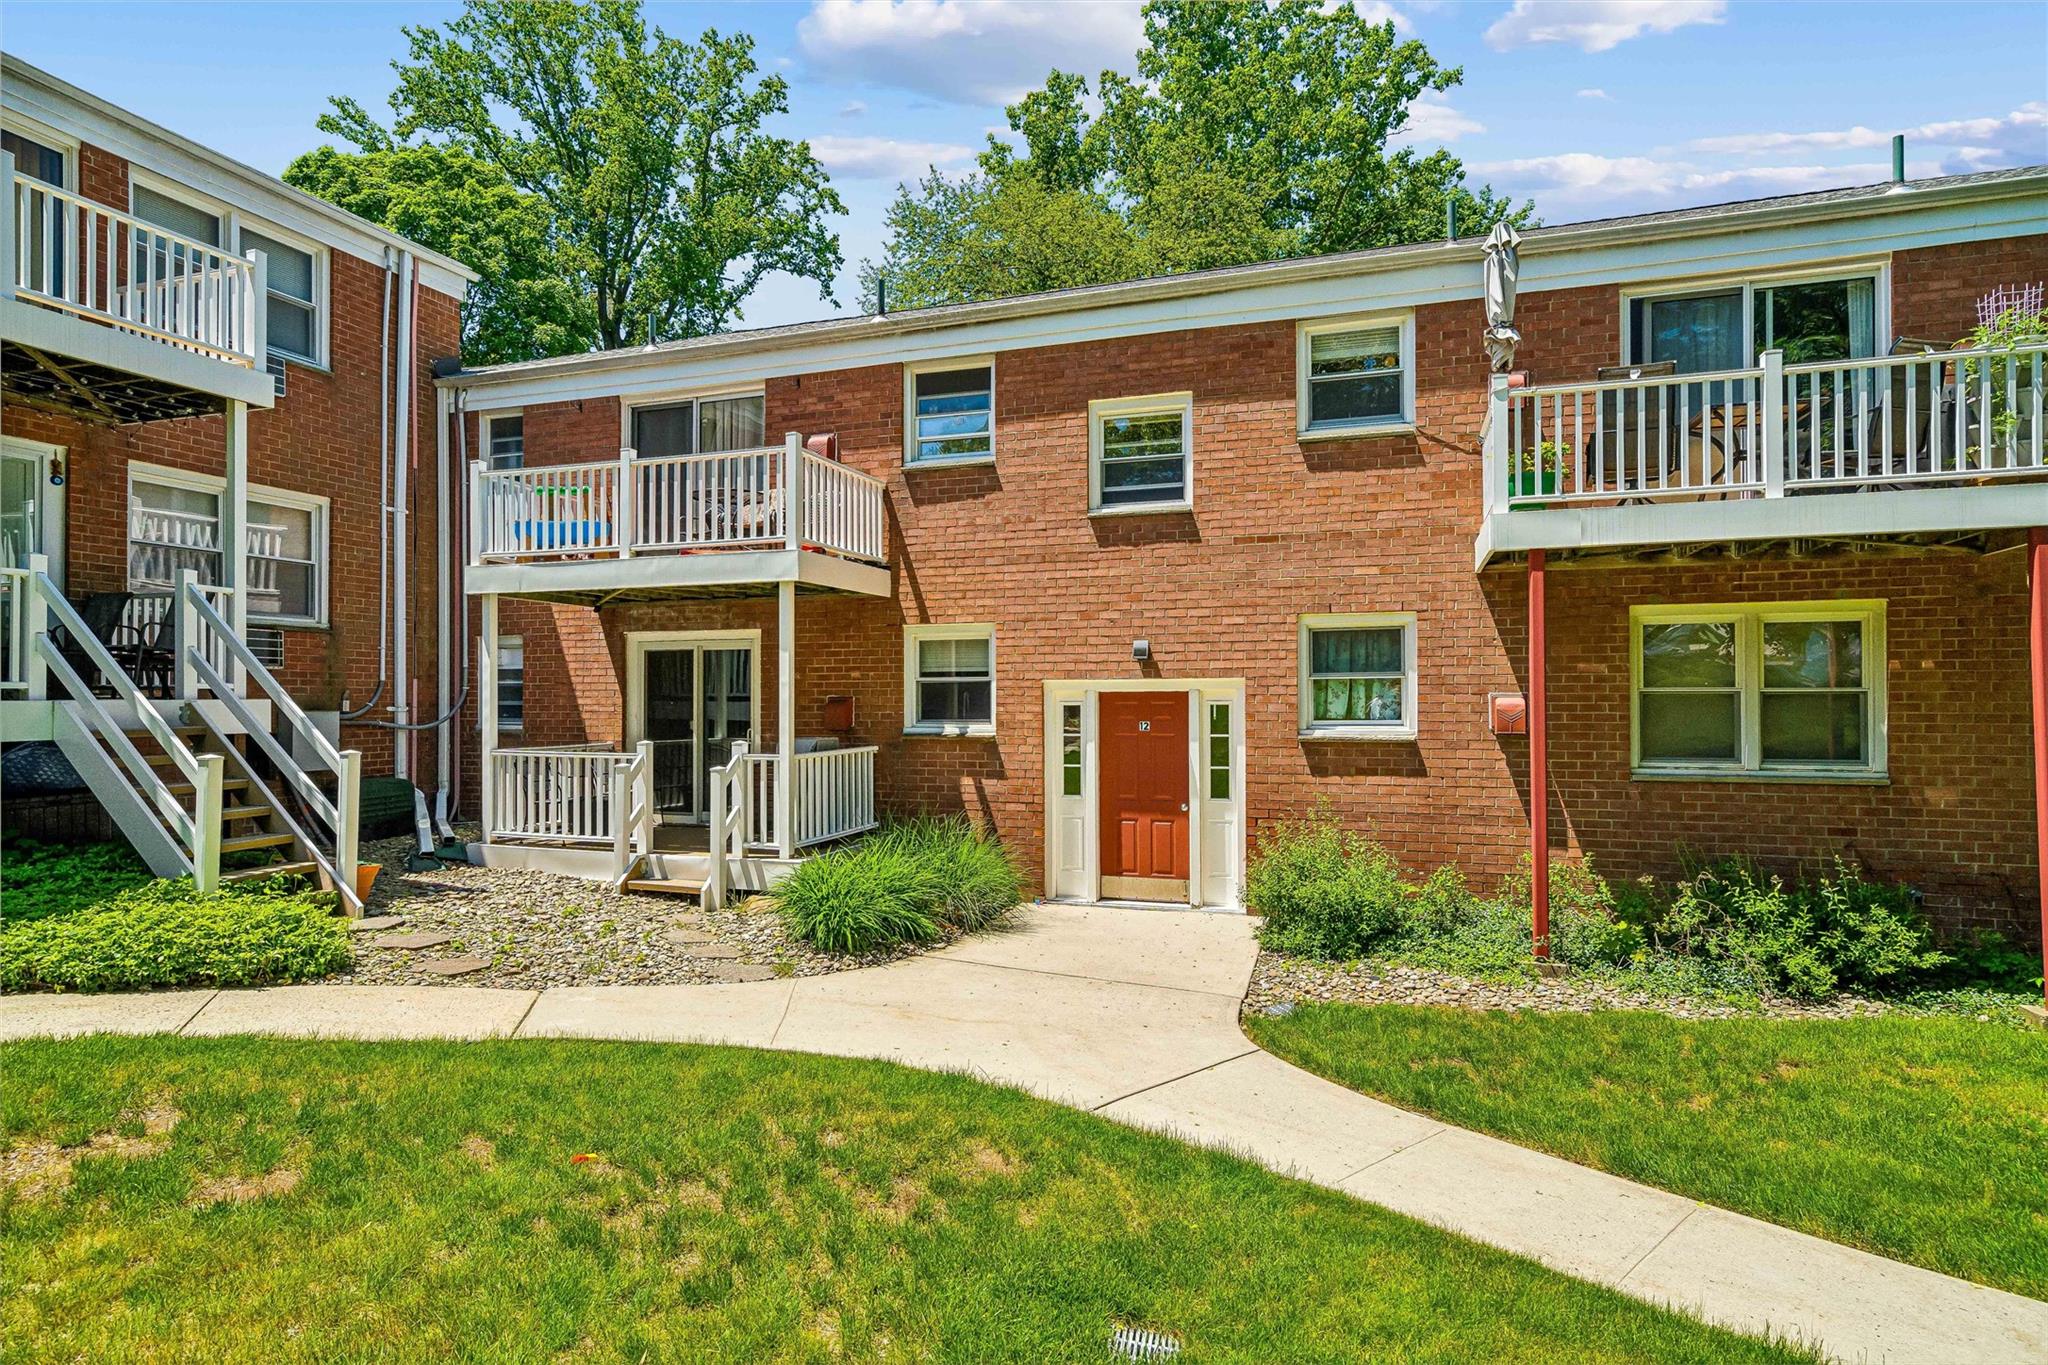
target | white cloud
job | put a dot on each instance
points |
(1381, 12)
(985, 52)
(1597, 25)
(853, 109)
(1432, 122)
(883, 158)
(2018, 138)
(1584, 182)
(1595, 94)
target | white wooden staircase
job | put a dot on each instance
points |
(205, 785)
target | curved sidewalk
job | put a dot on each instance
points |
(1133, 1015)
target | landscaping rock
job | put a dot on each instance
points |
(412, 941)
(454, 966)
(741, 971)
(712, 950)
(538, 930)
(369, 924)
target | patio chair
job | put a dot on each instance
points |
(102, 613)
(1633, 453)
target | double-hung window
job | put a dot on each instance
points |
(291, 313)
(174, 524)
(1141, 453)
(952, 413)
(505, 441)
(949, 677)
(1358, 676)
(1355, 374)
(1786, 688)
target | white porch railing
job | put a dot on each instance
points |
(67, 252)
(1961, 416)
(834, 795)
(560, 795)
(628, 505)
(15, 641)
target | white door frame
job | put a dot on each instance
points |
(1223, 856)
(640, 642)
(49, 499)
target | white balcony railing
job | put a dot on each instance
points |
(15, 642)
(70, 253)
(679, 503)
(1962, 416)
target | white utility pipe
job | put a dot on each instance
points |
(401, 515)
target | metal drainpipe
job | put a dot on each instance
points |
(444, 576)
(401, 517)
(383, 502)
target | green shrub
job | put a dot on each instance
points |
(1325, 891)
(908, 882)
(1809, 939)
(38, 880)
(976, 878)
(167, 934)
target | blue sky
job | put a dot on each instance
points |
(1590, 108)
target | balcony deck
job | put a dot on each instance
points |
(1903, 447)
(688, 526)
(110, 319)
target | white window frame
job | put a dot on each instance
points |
(1749, 619)
(1878, 271)
(910, 441)
(50, 137)
(498, 684)
(1305, 331)
(913, 721)
(491, 418)
(320, 508)
(695, 398)
(232, 221)
(1145, 405)
(1402, 730)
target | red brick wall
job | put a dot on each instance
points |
(321, 438)
(1281, 528)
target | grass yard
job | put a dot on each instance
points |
(269, 1200)
(1918, 1138)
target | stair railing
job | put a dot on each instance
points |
(632, 812)
(726, 799)
(199, 624)
(198, 831)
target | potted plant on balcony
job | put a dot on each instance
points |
(1537, 474)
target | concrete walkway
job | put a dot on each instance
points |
(1133, 1015)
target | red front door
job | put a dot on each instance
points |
(1144, 778)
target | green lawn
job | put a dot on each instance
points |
(261, 1199)
(1922, 1139)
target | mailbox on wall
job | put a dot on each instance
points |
(1507, 713)
(839, 714)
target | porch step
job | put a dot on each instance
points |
(143, 732)
(227, 784)
(250, 874)
(244, 812)
(244, 843)
(674, 886)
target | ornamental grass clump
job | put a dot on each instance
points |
(166, 933)
(909, 882)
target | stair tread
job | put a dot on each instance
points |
(243, 843)
(669, 886)
(244, 812)
(143, 731)
(273, 870)
(230, 784)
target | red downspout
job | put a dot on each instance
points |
(1539, 761)
(2037, 575)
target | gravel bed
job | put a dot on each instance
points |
(1280, 981)
(535, 929)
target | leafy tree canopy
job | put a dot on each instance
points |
(1251, 132)
(628, 165)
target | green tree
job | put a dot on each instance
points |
(1251, 132)
(522, 308)
(662, 200)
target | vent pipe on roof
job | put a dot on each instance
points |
(1450, 220)
(881, 295)
(1898, 158)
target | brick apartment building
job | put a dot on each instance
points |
(162, 393)
(1130, 570)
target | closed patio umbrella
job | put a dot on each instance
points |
(1503, 266)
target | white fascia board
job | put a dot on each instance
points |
(1821, 516)
(1403, 278)
(656, 570)
(78, 114)
(83, 338)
